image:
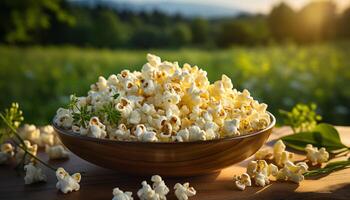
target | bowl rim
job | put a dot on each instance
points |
(104, 140)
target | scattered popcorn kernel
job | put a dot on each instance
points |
(33, 174)
(120, 195)
(263, 154)
(67, 183)
(147, 193)
(29, 132)
(242, 181)
(183, 192)
(7, 151)
(260, 171)
(292, 172)
(315, 155)
(56, 152)
(159, 187)
(281, 156)
(30, 148)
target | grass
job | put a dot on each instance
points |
(42, 78)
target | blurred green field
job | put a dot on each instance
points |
(41, 78)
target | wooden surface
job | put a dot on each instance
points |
(97, 183)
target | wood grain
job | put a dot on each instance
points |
(97, 182)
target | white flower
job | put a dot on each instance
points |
(7, 151)
(120, 195)
(64, 118)
(292, 172)
(56, 152)
(33, 174)
(231, 127)
(67, 183)
(315, 155)
(242, 181)
(147, 193)
(183, 192)
(159, 187)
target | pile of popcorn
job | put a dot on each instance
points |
(284, 168)
(164, 102)
(157, 191)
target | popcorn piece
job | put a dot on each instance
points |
(183, 192)
(195, 133)
(263, 154)
(146, 192)
(260, 171)
(315, 155)
(64, 118)
(33, 174)
(182, 135)
(30, 148)
(159, 187)
(7, 151)
(56, 152)
(96, 128)
(292, 172)
(231, 127)
(281, 156)
(67, 183)
(120, 195)
(242, 181)
(29, 132)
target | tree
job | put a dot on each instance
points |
(181, 35)
(200, 31)
(20, 19)
(344, 24)
(234, 32)
(282, 22)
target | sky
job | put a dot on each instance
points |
(261, 6)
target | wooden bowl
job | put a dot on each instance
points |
(166, 159)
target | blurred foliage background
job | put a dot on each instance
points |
(53, 48)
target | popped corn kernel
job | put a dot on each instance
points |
(67, 183)
(292, 172)
(147, 193)
(159, 187)
(184, 191)
(56, 152)
(242, 181)
(316, 156)
(33, 174)
(7, 151)
(120, 195)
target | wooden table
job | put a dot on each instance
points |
(97, 183)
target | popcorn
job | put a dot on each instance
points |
(315, 155)
(292, 172)
(64, 118)
(260, 172)
(33, 174)
(263, 154)
(67, 183)
(242, 181)
(231, 127)
(7, 151)
(56, 152)
(281, 156)
(167, 99)
(96, 128)
(29, 132)
(120, 195)
(159, 187)
(30, 148)
(182, 192)
(146, 192)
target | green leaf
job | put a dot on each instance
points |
(330, 167)
(323, 135)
